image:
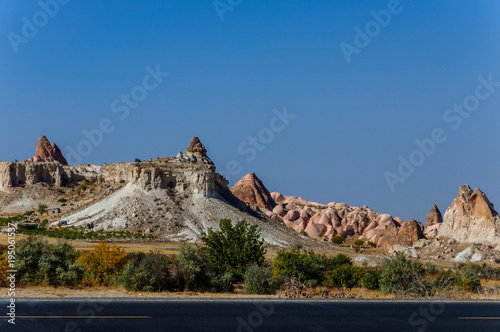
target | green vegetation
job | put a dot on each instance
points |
(38, 262)
(147, 272)
(337, 239)
(42, 209)
(259, 280)
(75, 233)
(212, 267)
(234, 248)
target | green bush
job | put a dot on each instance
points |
(403, 277)
(371, 244)
(346, 275)
(371, 279)
(147, 272)
(431, 269)
(337, 260)
(234, 248)
(259, 280)
(359, 243)
(467, 279)
(307, 266)
(42, 209)
(193, 269)
(38, 262)
(337, 239)
(222, 283)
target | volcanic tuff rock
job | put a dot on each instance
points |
(46, 152)
(322, 221)
(471, 218)
(433, 222)
(250, 189)
(173, 198)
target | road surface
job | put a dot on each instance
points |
(248, 315)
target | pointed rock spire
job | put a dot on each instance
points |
(47, 152)
(250, 189)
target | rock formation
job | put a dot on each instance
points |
(250, 189)
(433, 222)
(46, 152)
(471, 218)
(195, 152)
(322, 221)
(172, 198)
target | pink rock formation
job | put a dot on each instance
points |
(250, 189)
(46, 152)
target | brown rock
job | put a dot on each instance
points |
(197, 152)
(46, 152)
(433, 217)
(250, 189)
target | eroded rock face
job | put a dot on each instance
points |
(250, 189)
(47, 152)
(471, 218)
(433, 222)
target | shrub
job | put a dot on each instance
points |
(337, 239)
(222, 283)
(346, 275)
(371, 279)
(42, 209)
(38, 262)
(4, 265)
(103, 264)
(147, 272)
(467, 279)
(371, 244)
(193, 268)
(234, 248)
(358, 243)
(62, 200)
(338, 260)
(307, 266)
(431, 269)
(403, 277)
(259, 280)
(44, 223)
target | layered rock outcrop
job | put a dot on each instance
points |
(471, 218)
(250, 189)
(47, 152)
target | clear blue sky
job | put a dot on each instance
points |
(353, 120)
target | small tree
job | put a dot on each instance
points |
(403, 277)
(103, 264)
(234, 248)
(358, 243)
(337, 239)
(42, 209)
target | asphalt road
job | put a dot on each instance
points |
(114, 315)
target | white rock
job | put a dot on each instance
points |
(463, 256)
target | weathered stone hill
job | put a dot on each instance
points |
(174, 198)
(323, 221)
(471, 218)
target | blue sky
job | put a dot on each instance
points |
(352, 119)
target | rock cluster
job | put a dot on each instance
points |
(46, 152)
(323, 221)
(471, 218)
